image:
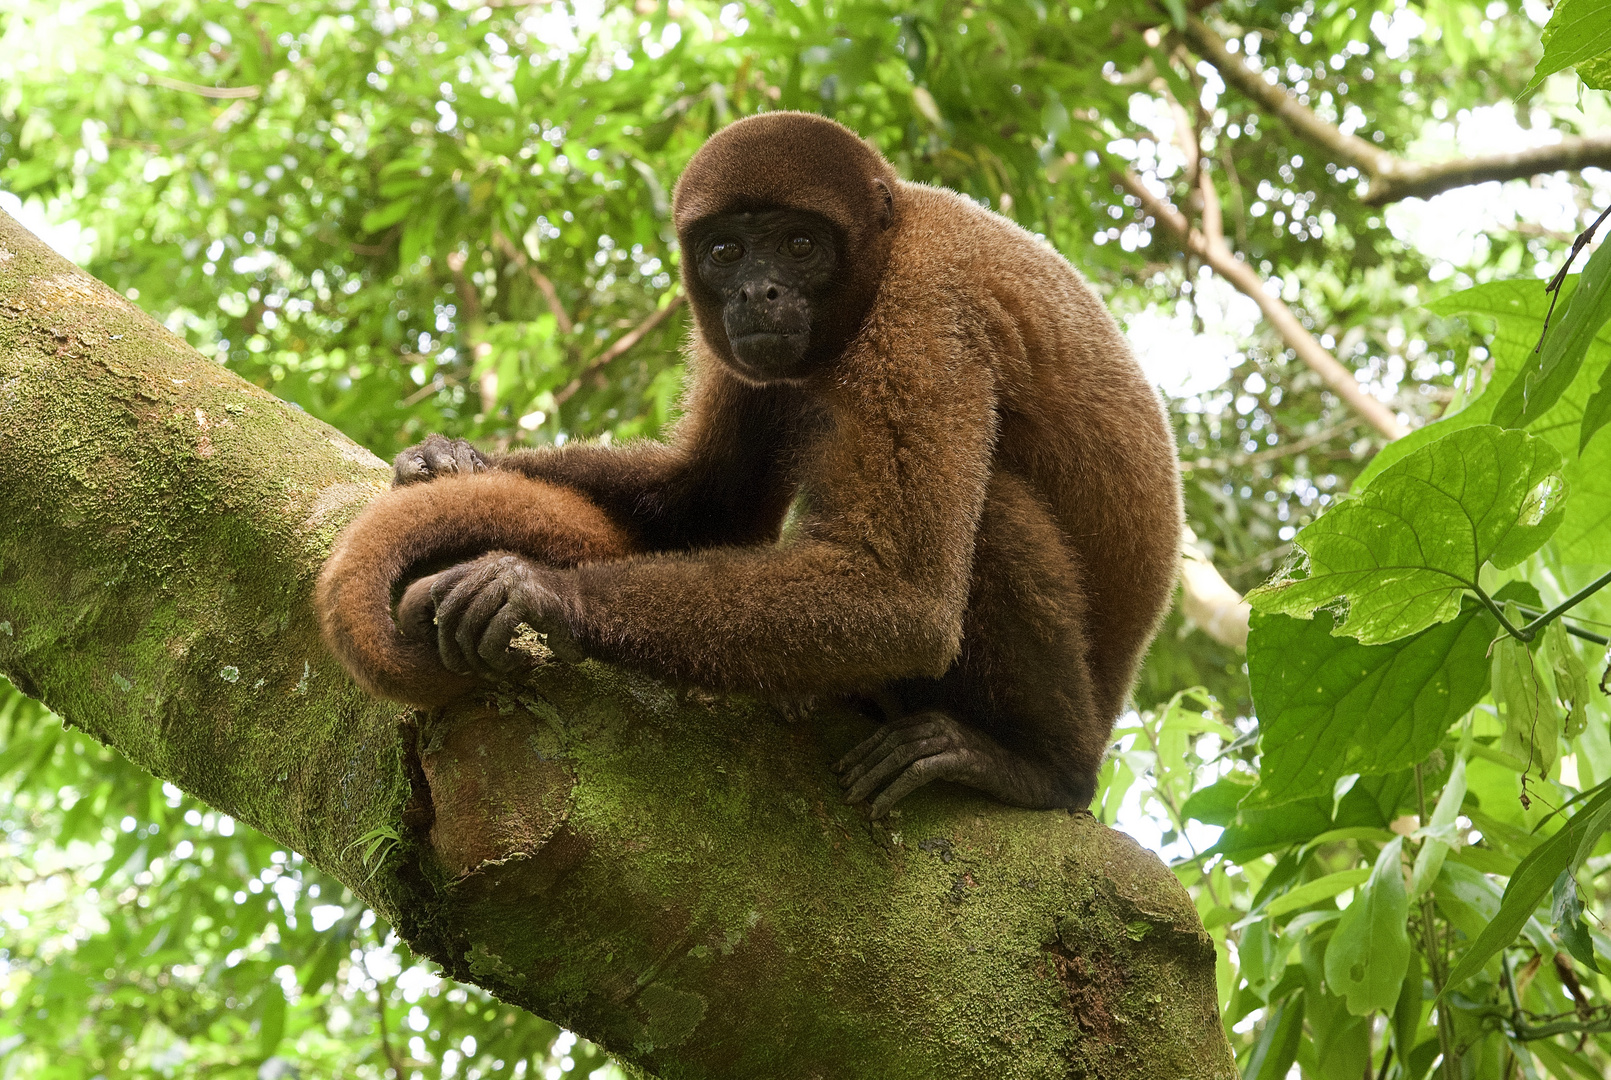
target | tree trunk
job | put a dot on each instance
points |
(672, 877)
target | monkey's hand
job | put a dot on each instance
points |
(436, 456)
(901, 757)
(479, 604)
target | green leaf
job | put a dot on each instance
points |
(1399, 555)
(1277, 1045)
(1407, 1011)
(1579, 30)
(1566, 912)
(1516, 308)
(1329, 706)
(1216, 804)
(1439, 834)
(1597, 412)
(271, 1022)
(1550, 370)
(1596, 72)
(1534, 877)
(383, 217)
(1572, 687)
(1370, 949)
(1532, 732)
(1312, 892)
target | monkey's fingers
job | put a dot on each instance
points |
(453, 590)
(493, 648)
(474, 621)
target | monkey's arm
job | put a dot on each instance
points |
(873, 588)
(724, 478)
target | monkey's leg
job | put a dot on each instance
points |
(1015, 717)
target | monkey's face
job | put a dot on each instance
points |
(774, 273)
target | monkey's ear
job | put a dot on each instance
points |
(888, 197)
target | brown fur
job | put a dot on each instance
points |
(988, 503)
(424, 526)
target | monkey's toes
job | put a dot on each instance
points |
(893, 752)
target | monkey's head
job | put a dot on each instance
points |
(785, 225)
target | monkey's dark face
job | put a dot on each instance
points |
(773, 272)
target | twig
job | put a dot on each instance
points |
(1583, 240)
(538, 278)
(1297, 446)
(1391, 177)
(223, 92)
(619, 346)
(439, 382)
(1225, 263)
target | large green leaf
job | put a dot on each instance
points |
(1573, 425)
(1516, 310)
(1329, 706)
(1370, 949)
(1578, 31)
(1398, 557)
(1533, 879)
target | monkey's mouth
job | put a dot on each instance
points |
(770, 354)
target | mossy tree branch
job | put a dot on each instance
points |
(675, 879)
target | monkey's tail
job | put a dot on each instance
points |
(422, 528)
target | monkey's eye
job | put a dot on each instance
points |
(799, 246)
(726, 251)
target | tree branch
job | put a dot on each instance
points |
(1219, 256)
(538, 278)
(621, 345)
(1391, 177)
(225, 93)
(676, 880)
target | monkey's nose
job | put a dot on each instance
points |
(772, 292)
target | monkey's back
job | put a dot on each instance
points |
(1078, 419)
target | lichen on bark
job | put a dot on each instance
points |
(672, 876)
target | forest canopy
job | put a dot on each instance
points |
(1352, 241)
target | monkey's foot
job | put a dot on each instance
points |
(904, 755)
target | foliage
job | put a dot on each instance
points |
(447, 216)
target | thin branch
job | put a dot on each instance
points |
(1297, 446)
(620, 345)
(538, 278)
(1565, 605)
(1218, 255)
(1391, 177)
(222, 92)
(469, 299)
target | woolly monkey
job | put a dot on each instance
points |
(986, 504)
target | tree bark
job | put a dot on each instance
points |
(673, 877)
